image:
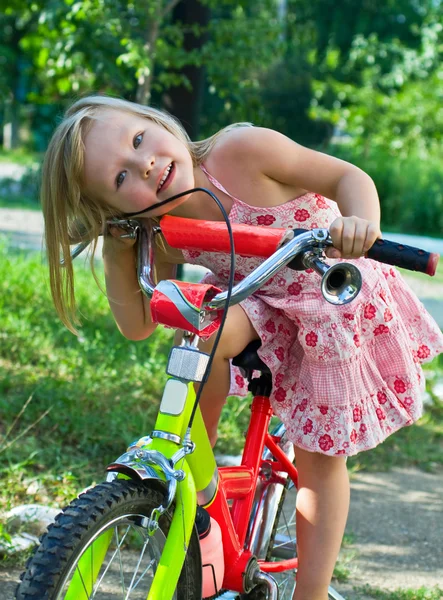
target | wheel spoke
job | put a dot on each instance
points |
(111, 559)
(144, 572)
(83, 584)
(122, 577)
(110, 554)
(136, 568)
(283, 544)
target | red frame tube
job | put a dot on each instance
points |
(238, 484)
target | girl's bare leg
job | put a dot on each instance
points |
(322, 511)
(237, 333)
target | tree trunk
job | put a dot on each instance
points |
(11, 127)
(143, 94)
(157, 16)
(184, 103)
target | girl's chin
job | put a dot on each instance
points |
(169, 207)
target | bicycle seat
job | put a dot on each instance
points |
(248, 359)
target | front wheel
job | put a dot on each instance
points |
(99, 548)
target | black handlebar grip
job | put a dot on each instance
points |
(403, 256)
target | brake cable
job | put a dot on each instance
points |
(230, 281)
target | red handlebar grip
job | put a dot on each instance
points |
(212, 236)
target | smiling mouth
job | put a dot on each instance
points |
(166, 178)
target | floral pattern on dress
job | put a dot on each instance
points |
(344, 377)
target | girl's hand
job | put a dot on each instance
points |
(352, 237)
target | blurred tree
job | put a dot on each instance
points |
(344, 61)
(245, 41)
(17, 19)
(306, 67)
(185, 100)
(141, 50)
(394, 98)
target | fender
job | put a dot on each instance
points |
(146, 464)
(140, 463)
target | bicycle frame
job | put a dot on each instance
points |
(213, 488)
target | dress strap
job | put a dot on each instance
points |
(217, 184)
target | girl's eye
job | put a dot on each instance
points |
(138, 140)
(120, 178)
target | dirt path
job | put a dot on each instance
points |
(396, 523)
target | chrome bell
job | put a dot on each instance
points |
(341, 283)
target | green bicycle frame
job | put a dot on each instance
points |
(199, 467)
(200, 472)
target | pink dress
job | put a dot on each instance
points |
(344, 377)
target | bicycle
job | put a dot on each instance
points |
(146, 509)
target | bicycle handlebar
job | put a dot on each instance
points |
(280, 246)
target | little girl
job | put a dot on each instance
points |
(344, 377)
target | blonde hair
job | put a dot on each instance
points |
(72, 216)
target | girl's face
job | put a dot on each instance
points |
(131, 163)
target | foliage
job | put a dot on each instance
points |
(91, 383)
(21, 192)
(306, 67)
(103, 392)
(410, 188)
(402, 594)
(401, 86)
(115, 47)
(248, 39)
(369, 70)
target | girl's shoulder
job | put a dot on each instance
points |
(237, 140)
(244, 149)
(247, 162)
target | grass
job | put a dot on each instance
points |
(69, 406)
(20, 202)
(87, 397)
(435, 279)
(343, 566)
(402, 594)
(101, 390)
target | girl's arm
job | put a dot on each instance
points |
(128, 304)
(284, 161)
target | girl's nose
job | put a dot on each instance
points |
(146, 165)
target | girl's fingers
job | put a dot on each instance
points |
(332, 252)
(372, 235)
(335, 231)
(361, 233)
(352, 237)
(348, 238)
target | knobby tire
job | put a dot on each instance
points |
(49, 569)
